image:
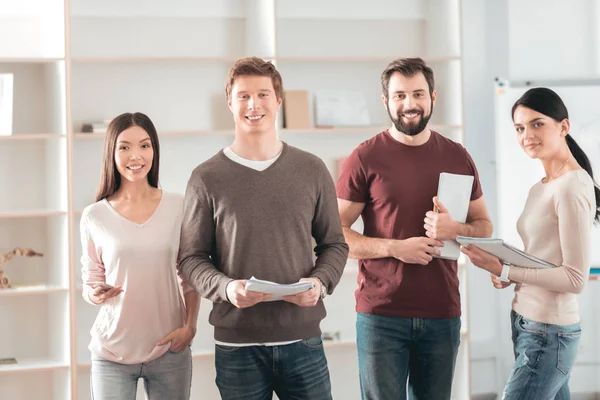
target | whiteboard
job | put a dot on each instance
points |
(516, 172)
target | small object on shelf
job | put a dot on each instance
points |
(331, 336)
(4, 282)
(6, 104)
(95, 127)
(340, 108)
(9, 360)
(295, 109)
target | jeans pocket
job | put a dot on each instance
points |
(531, 327)
(313, 343)
(568, 344)
(226, 349)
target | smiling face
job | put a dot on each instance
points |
(134, 154)
(409, 104)
(254, 104)
(539, 135)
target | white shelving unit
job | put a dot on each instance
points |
(78, 61)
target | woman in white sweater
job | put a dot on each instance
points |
(130, 240)
(556, 225)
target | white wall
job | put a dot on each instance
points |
(518, 40)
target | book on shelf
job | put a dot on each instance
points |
(6, 104)
(8, 360)
(95, 127)
(296, 110)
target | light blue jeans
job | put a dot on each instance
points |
(392, 350)
(544, 356)
(167, 377)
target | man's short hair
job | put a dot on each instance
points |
(254, 66)
(408, 67)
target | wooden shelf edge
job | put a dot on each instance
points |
(32, 365)
(30, 60)
(32, 136)
(108, 60)
(30, 213)
(83, 135)
(231, 59)
(33, 290)
(385, 59)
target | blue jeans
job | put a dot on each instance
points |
(167, 377)
(544, 356)
(394, 349)
(295, 371)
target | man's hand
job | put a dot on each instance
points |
(415, 250)
(498, 284)
(242, 298)
(310, 297)
(440, 225)
(179, 338)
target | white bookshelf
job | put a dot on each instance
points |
(77, 61)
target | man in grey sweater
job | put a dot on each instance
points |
(252, 210)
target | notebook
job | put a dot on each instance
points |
(454, 192)
(505, 252)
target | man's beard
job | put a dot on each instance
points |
(410, 128)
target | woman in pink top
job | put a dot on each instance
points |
(130, 240)
(556, 225)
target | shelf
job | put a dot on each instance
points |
(32, 290)
(30, 213)
(89, 60)
(359, 59)
(83, 135)
(32, 365)
(337, 130)
(33, 136)
(29, 60)
(358, 129)
(386, 59)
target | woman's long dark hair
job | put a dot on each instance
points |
(547, 102)
(110, 180)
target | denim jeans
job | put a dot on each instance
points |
(394, 349)
(167, 377)
(294, 371)
(544, 356)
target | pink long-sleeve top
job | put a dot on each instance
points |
(141, 258)
(556, 226)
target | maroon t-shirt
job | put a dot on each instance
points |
(397, 183)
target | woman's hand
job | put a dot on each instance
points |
(99, 294)
(483, 259)
(498, 284)
(179, 338)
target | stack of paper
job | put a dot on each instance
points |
(276, 289)
(505, 252)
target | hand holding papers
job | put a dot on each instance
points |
(505, 252)
(454, 192)
(278, 291)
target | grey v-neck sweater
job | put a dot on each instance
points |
(239, 223)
